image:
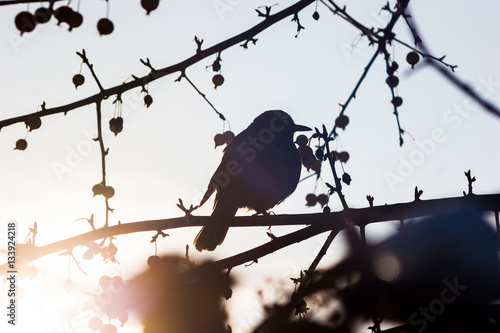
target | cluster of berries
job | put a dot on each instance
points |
(26, 21)
(110, 287)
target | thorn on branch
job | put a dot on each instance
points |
(268, 11)
(143, 86)
(189, 210)
(470, 180)
(245, 44)
(370, 200)
(387, 7)
(198, 42)
(90, 220)
(255, 261)
(417, 194)
(299, 26)
(32, 232)
(147, 63)
(158, 234)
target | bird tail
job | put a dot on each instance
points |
(209, 237)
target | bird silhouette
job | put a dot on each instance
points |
(259, 169)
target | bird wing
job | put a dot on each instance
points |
(229, 153)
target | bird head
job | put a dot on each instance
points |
(278, 123)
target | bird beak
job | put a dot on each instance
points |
(301, 128)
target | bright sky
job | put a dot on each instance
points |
(166, 152)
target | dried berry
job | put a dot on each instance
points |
(94, 324)
(98, 189)
(63, 14)
(316, 15)
(95, 248)
(153, 261)
(322, 199)
(412, 58)
(397, 101)
(21, 144)
(218, 80)
(112, 249)
(306, 152)
(123, 317)
(307, 157)
(117, 282)
(394, 67)
(42, 15)
(218, 139)
(105, 26)
(25, 22)
(148, 100)
(149, 5)
(88, 255)
(75, 20)
(346, 178)
(33, 122)
(311, 200)
(116, 125)
(301, 140)
(216, 65)
(78, 80)
(392, 81)
(105, 281)
(108, 328)
(108, 192)
(342, 121)
(327, 209)
(319, 154)
(316, 165)
(227, 137)
(342, 156)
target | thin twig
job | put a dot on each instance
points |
(85, 60)
(179, 67)
(426, 55)
(333, 132)
(464, 87)
(104, 153)
(183, 75)
(336, 10)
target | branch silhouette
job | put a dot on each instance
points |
(179, 67)
(317, 223)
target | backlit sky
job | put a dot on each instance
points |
(166, 151)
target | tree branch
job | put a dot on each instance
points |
(179, 67)
(318, 223)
